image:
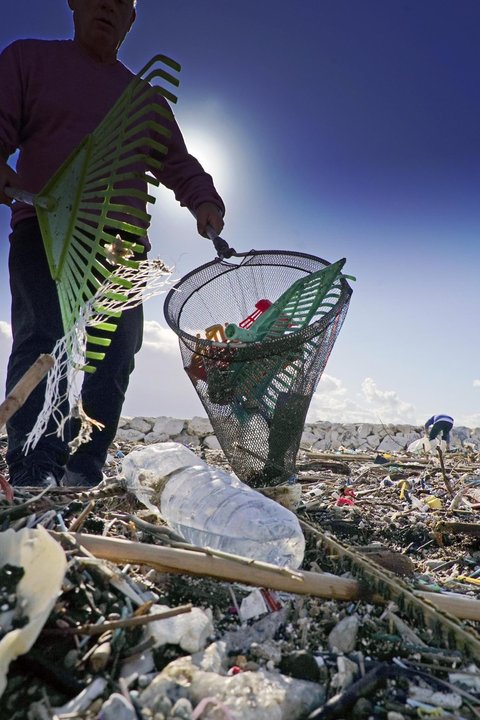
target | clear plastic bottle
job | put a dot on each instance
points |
(212, 508)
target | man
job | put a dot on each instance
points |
(52, 94)
(439, 424)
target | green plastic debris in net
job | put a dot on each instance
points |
(294, 309)
(257, 383)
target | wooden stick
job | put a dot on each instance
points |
(174, 560)
(115, 624)
(445, 478)
(457, 528)
(77, 524)
(325, 585)
(18, 395)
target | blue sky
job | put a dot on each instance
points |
(342, 128)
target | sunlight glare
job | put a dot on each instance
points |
(212, 151)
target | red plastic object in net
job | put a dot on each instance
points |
(260, 306)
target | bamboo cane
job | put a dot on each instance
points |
(325, 585)
(27, 383)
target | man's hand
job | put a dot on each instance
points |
(8, 177)
(209, 214)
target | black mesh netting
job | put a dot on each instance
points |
(256, 393)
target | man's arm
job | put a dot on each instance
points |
(192, 185)
(10, 115)
(8, 178)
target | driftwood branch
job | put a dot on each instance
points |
(172, 560)
(115, 624)
(18, 395)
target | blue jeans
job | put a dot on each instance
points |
(441, 426)
(36, 326)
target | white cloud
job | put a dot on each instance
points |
(476, 383)
(5, 330)
(334, 402)
(159, 385)
(158, 338)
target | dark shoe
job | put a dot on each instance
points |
(78, 479)
(35, 476)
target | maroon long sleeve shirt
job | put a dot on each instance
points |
(53, 94)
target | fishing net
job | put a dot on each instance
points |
(125, 288)
(255, 338)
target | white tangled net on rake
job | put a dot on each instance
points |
(148, 279)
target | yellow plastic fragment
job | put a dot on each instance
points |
(424, 712)
(471, 580)
(433, 502)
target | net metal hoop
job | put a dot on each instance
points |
(202, 346)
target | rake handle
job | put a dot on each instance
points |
(221, 246)
(27, 197)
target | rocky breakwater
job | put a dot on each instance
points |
(322, 436)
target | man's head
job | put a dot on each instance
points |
(101, 25)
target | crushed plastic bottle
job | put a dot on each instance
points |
(212, 508)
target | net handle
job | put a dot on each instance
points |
(221, 246)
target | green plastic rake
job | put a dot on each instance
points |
(86, 206)
(294, 309)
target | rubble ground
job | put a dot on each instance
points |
(397, 529)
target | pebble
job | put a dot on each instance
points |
(301, 665)
(100, 657)
(182, 709)
(343, 637)
(117, 707)
(70, 658)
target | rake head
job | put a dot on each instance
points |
(100, 192)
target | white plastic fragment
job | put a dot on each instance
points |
(469, 679)
(426, 445)
(44, 563)
(253, 605)
(425, 695)
(189, 630)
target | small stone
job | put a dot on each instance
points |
(211, 442)
(163, 705)
(144, 681)
(301, 665)
(70, 658)
(100, 657)
(118, 707)
(182, 709)
(432, 564)
(362, 709)
(199, 426)
(343, 637)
